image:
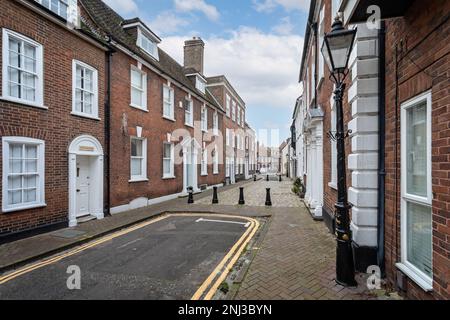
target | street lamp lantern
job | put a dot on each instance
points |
(336, 51)
(337, 46)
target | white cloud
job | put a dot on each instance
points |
(167, 22)
(123, 7)
(208, 10)
(270, 5)
(262, 67)
(285, 27)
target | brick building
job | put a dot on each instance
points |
(250, 151)
(166, 128)
(396, 108)
(234, 124)
(52, 117)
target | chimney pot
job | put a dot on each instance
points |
(194, 51)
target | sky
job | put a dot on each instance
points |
(256, 44)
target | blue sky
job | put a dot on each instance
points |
(255, 43)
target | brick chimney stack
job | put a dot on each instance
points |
(194, 50)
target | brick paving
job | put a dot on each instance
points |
(296, 260)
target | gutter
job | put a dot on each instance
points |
(382, 146)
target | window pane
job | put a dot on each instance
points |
(15, 151)
(136, 148)
(136, 97)
(419, 237)
(13, 58)
(31, 152)
(167, 151)
(30, 166)
(30, 195)
(79, 72)
(15, 182)
(136, 168)
(416, 150)
(136, 79)
(29, 93)
(167, 166)
(30, 182)
(14, 197)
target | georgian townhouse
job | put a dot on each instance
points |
(414, 114)
(52, 117)
(234, 125)
(165, 125)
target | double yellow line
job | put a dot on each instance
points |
(220, 272)
(223, 268)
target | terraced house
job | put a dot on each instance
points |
(52, 117)
(96, 119)
(396, 111)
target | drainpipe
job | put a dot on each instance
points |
(382, 145)
(107, 157)
(316, 62)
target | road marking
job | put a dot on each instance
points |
(128, 243)
(227, 270)
(223, 221)
(219, 270)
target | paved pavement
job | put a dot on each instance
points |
(296, 260)
(168, 259)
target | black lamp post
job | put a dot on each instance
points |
(336, 51)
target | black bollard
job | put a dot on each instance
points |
(191, 197)
(280, 178)
(215, 197)
(268, 198)
(254, 177)
(267, 178)
(241, 196)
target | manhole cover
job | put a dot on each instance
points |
(68, 234)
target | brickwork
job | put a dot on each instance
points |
(55, 125)
(420, 39)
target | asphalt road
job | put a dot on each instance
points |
(169, 259)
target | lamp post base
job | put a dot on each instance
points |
(345, 274)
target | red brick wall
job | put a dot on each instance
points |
(56, 126)
(423, 46)
(155, 129)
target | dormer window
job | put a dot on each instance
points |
(60, 7)
(200, 84)
(146, 44)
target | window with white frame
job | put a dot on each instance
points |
(238, 116)
(200, 84)
(227, 138)
(168, 160)
(227, 167)
(138, 89)
(189, 113)
(233, 111)
(321, 32)
(204, 164)
(228, 106)
(22, 69)
(149, 46)
(215, 157)
(236, 167)
(416, 207)
(23, 173)
(169, 102)
(60, 7)
(216, 123)
(138, 159)
(85, 90)
(233, 139)
(243, 118)
(204, 119)
(333, 182)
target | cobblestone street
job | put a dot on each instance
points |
(296, 259)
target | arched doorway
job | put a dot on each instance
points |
(85, 179)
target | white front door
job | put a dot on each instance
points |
(83, 186)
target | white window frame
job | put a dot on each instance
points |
(39, 89)
(94, 114)
(141, 36)
(419, 277)
(227, 167)
(333, 182)
(238, 115)
(143, 74)
(49, 7)
(216, 123)
(227, 138)
(170, 101)
(40, 184)
(200, 84)
(204, 119)
(321, 32)
(228, 106)
(216, 161)
(144, 176)
(190, 107)
(204, 162)
(233, 111)
(171, 174)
